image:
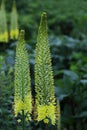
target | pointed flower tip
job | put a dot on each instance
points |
(44, 15)
(43, 19)
(22, 33)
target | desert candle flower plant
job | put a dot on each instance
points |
(22, 97)
(14, 30)
(44, 82)
(3, 21)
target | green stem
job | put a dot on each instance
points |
(47, 127)
(23, 120)
(59, 116)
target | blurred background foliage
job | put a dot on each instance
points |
(67, 26)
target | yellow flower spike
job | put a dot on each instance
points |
(44, 83)
(22, 98)
(3, 21)
(14, 30)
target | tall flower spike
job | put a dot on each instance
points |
(22, 98)
(3, 24)
(14, 31)
(44, 83)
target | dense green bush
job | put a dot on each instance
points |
(6, 95)
(70, 70)
(70, 73)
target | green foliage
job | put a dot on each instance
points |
(70, 80)
(7, 120)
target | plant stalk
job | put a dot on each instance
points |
(47, 128)
(23, 120)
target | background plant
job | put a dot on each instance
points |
(14, 29)
(3, 21)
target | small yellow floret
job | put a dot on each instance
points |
(18, 120)
(46, 121)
